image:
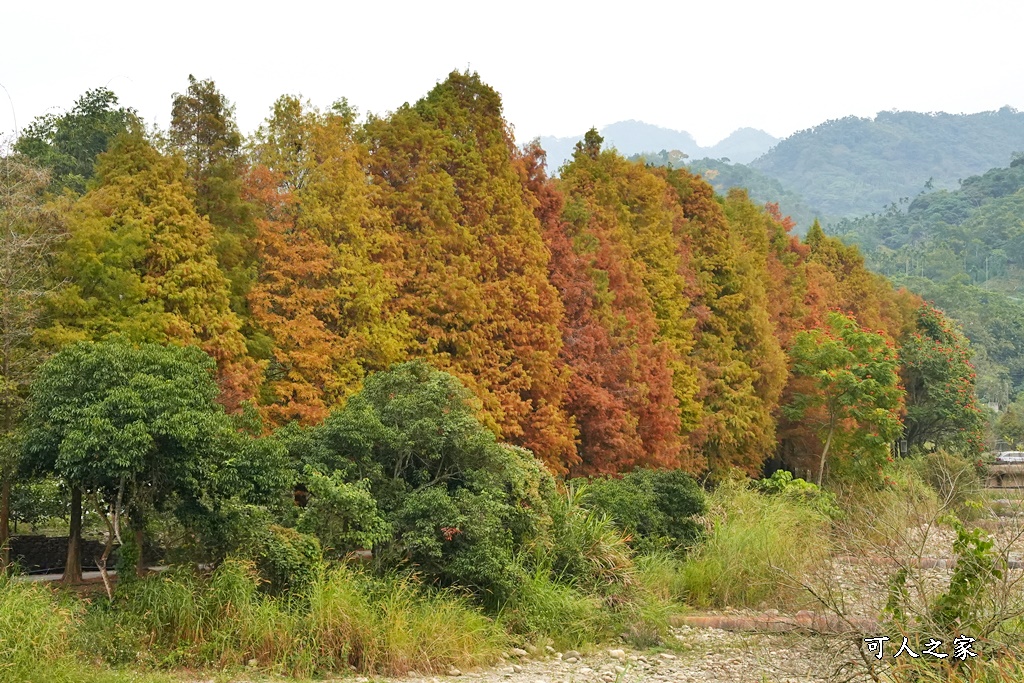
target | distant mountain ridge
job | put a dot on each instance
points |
(852, 166)
(636, 137)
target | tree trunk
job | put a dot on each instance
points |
(140, 565)
(824, 454)
(5, 524)
(73, 567)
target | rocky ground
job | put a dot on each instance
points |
(696, 654)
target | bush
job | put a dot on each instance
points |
(655, 507)
(755, 547)
(955, 480)
(782, 483)
(343, 515)
(585, 549)
(458, 503)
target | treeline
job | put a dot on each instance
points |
(620, 316)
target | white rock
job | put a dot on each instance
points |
(516, 669)
(454, 672)
(617, 654)
(518, 652)
(665, 655)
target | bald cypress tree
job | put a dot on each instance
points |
(138, 263)
(471, 265)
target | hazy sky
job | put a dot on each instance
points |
(706, 67)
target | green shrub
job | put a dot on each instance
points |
(782, 483)
(285, 558)
(342, 515)
(584, 549)
(756, 547)
(458, 503)
(655, 507)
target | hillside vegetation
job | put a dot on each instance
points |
(962, 249)
(853, 166)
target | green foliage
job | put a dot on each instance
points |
(782, 483)
(749, 556)
(343, 515)
(69, 143)
(1011, 424)
(853, 394)
(37, 501)
(458, 503)
(585, 549)
(387, 626)
(961, 607)
(653, 507)
(942, 410)
(139, 425)
(285, 559)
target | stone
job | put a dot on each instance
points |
(454, 672)
(620, 669)
(516, 669)
(617, 654)
(530, 649)
(665, 655)
(518, 652)
(571, 660)
(571, 653)
(550, 650)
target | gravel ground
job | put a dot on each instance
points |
(698, 654)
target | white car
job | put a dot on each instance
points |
(1008, 457)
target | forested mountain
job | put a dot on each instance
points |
(619, 316)
(963, 249)
(854, 166)
(637, 137)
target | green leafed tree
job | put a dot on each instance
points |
(942, 408)
(68, 144)
(137, 428)
(849, 388)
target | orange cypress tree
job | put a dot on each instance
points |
(470, 265)
(320, 292)
(626, 333)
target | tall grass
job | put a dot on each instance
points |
(379, 626)
(756, 547)
(33, 631)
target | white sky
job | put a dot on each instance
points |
(706, 67)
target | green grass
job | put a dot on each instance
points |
(757, 548)
(377, 625)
